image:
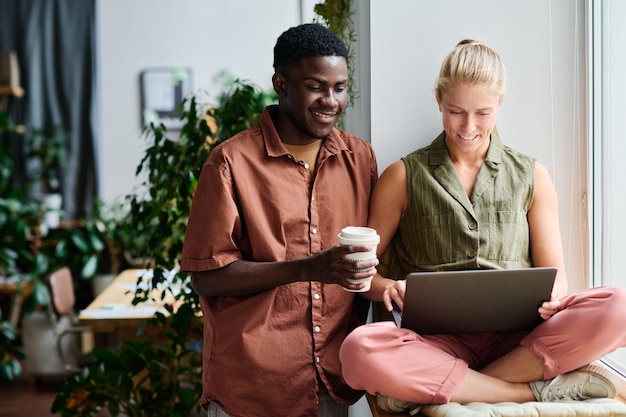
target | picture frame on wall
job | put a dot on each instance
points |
(162, 91)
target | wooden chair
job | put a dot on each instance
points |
(52, 338)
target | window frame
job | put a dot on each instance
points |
(603, 120)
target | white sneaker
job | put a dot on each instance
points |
(395, 405)
(591, 381)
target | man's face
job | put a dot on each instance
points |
(312, 95)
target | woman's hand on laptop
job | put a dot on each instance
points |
(550, 308)
(388, 291)
(394, 291)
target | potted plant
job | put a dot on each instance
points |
(109, 222)
(18, 223)
(13, 229)
(146, 376)
(25, 260)
(20, 260)
(20, 232)
(143, 377)
(92, 247)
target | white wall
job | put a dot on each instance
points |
(542, 45)
(207, 36)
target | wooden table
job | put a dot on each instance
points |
(113, 312)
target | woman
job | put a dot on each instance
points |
(466, 201)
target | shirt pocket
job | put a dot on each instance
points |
(508, 238)
(437, 239)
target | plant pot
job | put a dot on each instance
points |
(100, 282)
(39, 333)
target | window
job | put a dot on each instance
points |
(608, 130)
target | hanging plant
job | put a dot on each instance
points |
(338, 16)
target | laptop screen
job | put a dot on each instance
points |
(475, 300)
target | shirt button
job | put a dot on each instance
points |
(471, 254)
(473, 226)
(306, 166)
(316, 296)
(317, 328)
(312, 198)
(314, 230)
(317, 359)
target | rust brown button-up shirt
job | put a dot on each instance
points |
(263, 352)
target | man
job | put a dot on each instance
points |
(261, 243)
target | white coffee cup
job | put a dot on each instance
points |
(359, 236)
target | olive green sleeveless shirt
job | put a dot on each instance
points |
(443, 229)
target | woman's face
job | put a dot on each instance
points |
(469, 116)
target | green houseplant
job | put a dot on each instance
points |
(20, 234)
(80, 247)
(108, 221)
(10, 352)
(13, 237)
(145, 376)
(159, 210)
(142, 378)
(14, 224)
(94, 245)
(21, 259)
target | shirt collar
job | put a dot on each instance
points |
(439, 152)
(333, 143)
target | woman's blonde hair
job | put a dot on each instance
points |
(471, 62)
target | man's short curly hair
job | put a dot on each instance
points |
(306, 40)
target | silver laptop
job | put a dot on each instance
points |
(470, 301)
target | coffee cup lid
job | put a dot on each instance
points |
(359, 235)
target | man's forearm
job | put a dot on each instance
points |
(246, 277)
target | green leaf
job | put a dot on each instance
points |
(108, 358)
(97, 243)
(61, 249)
(80, 242)
(40, 293)
(90, 267)
(7, 331)
(187, 397)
